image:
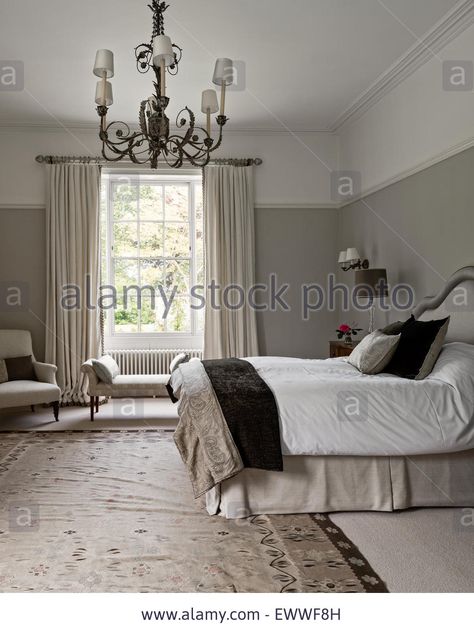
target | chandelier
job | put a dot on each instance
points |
(155, 139)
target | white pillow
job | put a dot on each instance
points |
(178, 360)
(106, 368)
(374, 352)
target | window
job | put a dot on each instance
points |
(152, 257)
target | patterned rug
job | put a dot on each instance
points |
(113, 512)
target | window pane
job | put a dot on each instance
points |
(177, 202)
(151, 202)
(126, 272)
(199, 241)
(126, 319)
(125, 239)
(200, 273)
(152, 315)
(198, 203)
(151, 272)
(151, 239)
(177, 241)
(179, 319)
(103, 233)
(124, 201)
(177, 275)
(200, 319)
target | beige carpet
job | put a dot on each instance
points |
(112, 512)
(423, 550)
(139, 413)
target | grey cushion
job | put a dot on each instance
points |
(374, 352)
(178, 360)
(434, 352)
(3, 371)
(106, 368)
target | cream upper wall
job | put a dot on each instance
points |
(295, 171)
(414, 125)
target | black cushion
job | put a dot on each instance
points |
(418, 339)
(20, 369)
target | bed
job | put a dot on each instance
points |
(412, 446)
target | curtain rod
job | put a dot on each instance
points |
(49, 159)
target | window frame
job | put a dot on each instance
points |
(150, 340)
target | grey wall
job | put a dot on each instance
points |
(299, 245)
(23, 259)
(421, 229)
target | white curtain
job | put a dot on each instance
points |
(230, 260)
(72, 229)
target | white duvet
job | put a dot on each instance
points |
(330, 408)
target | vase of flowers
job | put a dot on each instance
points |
(346, 332)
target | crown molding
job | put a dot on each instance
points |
(420, 167)
(449, 27)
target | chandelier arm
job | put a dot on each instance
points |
(200, 158)
(178, 142)
(144, 57)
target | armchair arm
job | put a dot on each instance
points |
(45, 372)
(88, 369)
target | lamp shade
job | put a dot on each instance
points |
(104, 63)
(209, 101)
(163, 50)
(371, 283)
(352, 255)
(223, 72)
(342, 257)
(100, 98)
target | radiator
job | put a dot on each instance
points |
(148, 361)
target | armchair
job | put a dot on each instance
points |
(17, 343)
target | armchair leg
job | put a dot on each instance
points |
(56, 410)
(92, 407)
(97, 398)
(32, 408)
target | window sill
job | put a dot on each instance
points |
(150, 341)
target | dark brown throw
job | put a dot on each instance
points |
(250, 411)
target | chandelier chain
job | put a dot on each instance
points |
(158, 8)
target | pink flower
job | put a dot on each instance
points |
(345, 328)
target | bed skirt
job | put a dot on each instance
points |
(324, 484)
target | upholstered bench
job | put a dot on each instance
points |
(122, 385)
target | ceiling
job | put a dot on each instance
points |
(305, 61)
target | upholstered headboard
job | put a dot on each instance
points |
(456, 298)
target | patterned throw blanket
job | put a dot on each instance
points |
(228, 420)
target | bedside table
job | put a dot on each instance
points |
(341, 348)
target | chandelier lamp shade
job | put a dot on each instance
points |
(154, 140)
